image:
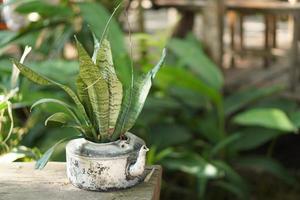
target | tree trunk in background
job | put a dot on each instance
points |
(213, 16)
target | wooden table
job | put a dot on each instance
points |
(21, 181)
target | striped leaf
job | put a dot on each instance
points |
(132, 107)
(41, 80)
(84, 98)
(103, 58)
(97, 89)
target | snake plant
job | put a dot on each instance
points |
(105, 108)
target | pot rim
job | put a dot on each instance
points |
(71, 149)
(101, 144)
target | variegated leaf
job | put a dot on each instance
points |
(39, 79)
(103, 58)
(131, 107)
(97, 88)
(84, 98)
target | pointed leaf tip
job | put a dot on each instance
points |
(159, 64)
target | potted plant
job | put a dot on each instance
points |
(105, 156)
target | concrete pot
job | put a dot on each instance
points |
(106, 166)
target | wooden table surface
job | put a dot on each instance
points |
(19, 181)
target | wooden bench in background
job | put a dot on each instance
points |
(21, 181)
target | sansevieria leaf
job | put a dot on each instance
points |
(59, 102)
(59, 117)
(140, 92)
(97, 88)
(103, 58)
(41, 163)
(39, 79)
(83, 95)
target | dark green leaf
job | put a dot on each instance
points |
(166, 135)
(243, 98)
(194, 57)
(232, 188)
(224, 143)
(173, 76)
(268, 165)
(254, 137)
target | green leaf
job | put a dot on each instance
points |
(167, 135)
(195, 58)
(193, 164)
(10, 115)
(174, 76)
(83, 95)
(59, 117)
(295, 118)
(103, 59)
(59, 102)
(232, 188)
(268, 165)
(39, 79)
(42, 162)
(44, 9)
(91, 13)
(98, 91)
(265, 117)
(3, 105)
(243, 98)
(253, 137)
(224, 143)
(132, 107)
(208, 128)
(232, 176)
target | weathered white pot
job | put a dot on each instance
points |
(107, 166)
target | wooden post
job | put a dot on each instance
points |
(232, 24)
(213, 16)
(294, 53)
(267, 41)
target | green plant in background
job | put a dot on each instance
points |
(9, 91)
(103, 111)
(194, 128)
(11, 148)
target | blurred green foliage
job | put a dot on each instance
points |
(203, 138)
